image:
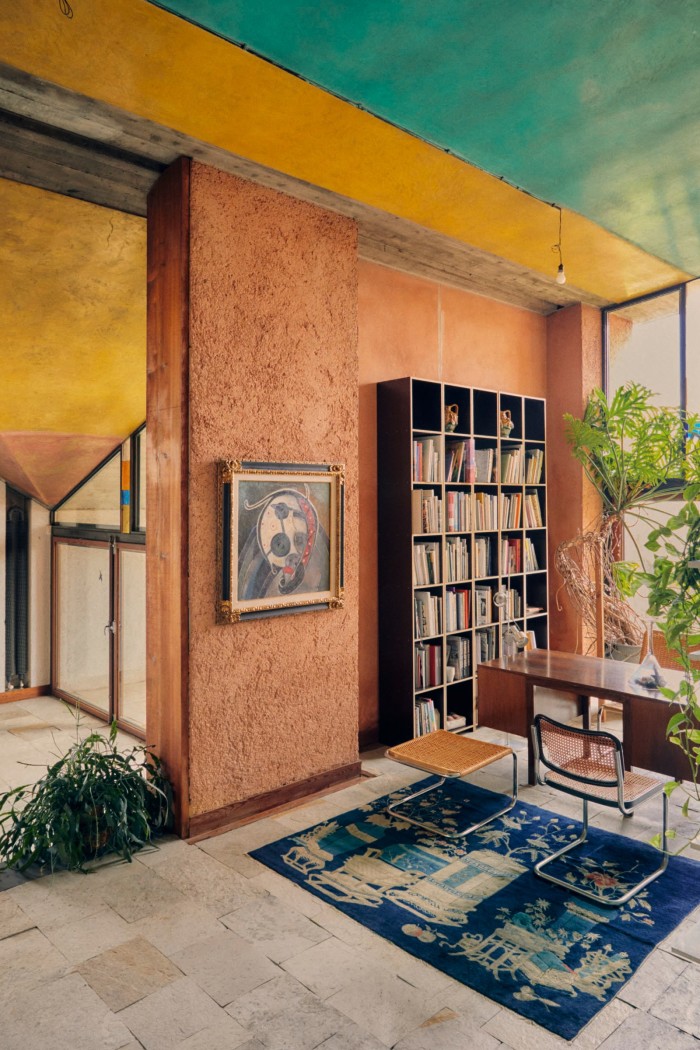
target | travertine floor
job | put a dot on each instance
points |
(200, 947)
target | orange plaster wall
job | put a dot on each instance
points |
(574, 356)
(412, 327)
(273, 377)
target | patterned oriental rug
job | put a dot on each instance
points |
(475, 910)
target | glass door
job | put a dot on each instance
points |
(99, 652)
(83, 624)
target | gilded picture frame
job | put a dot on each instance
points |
(279, 538)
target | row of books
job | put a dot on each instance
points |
(428, 665)
(484, 511)
(469, 465)
(459, 511)
(534, 463)
(485, 644)
(426, 564)
(531, 562)
(483, 609)
(533, 511)
(511, 555)
(457, 601)
(457, 558)
(426, 511)
(426, 459)
(513, 607)
(510, 511)
(483, 565)
(459, 655)
(460, 461)
(425, 718)
(427, 610)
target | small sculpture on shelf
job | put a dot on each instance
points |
(506, 423)
(451, 417)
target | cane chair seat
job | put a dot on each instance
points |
(449, 756)
(635, 785)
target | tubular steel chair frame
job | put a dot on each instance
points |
(450, 757)
(592, 789)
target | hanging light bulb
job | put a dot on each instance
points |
(561, 273)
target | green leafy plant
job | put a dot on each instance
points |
(634, 453)
(93, 801)
(673, 593)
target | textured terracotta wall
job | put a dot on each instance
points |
(273, 376)
(412, 327)
(574, 368)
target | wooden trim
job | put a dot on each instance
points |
(25, 694)
(167, 454)
(217, 820)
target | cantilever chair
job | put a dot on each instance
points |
(589, 764)
(450, 757)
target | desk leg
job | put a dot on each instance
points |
(530, 718)
(584, 707)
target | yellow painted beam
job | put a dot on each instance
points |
(73, 308)
(148, 62)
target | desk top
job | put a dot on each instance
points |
(588, 675)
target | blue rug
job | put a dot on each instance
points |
(475, 910)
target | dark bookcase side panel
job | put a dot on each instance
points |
(395, 570)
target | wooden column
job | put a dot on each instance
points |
(167, 719)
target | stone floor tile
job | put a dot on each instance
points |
(62, 1015)
(178, 926)
(274, 928)
(305, 1026)
(602, 1026)
(353, 1038)
(330, 966)
(447, 1031)
(520, 1034)
(80, 940)
(225, 966)
(384, 1005)
(123, 975)
(410, 969)
(657, 972)
(651, 1033)
(245, 865)
(201, 877)
(224, 1035)
(166, 1018)
(162, 847)
(287, 891)
(255, 1008)
(244, 839)
(28, 960)
(12, 919)
(467, 1003)
(135, 892)
(680, 1002)
(59, 898)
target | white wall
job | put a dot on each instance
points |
(39, 594)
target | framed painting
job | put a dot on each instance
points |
(280, 538)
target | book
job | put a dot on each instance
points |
(483, 458)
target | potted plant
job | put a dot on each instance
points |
(93, 801)
(633, 453)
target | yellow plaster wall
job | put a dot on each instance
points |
(148, 62)
(73, 307)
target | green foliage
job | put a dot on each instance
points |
(629, 448)
(93, 801)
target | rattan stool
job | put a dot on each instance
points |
(449, 756)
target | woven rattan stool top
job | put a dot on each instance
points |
(446, 754)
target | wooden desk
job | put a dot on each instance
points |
(507, 702)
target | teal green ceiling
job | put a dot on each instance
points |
(592, 105)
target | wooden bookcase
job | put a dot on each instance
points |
(411, 413)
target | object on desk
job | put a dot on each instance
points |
(648, 672)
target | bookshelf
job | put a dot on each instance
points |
(462, 517)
